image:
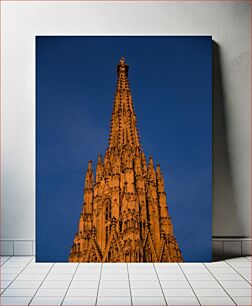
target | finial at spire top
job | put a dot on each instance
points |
(122, 67)
(122, 60)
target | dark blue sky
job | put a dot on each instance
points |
(170, 79)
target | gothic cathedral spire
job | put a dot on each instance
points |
(125, 216)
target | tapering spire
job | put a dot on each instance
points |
(125, 216)
(123, 129)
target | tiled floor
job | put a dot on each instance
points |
(24, 282)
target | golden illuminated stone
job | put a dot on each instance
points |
(125, 216)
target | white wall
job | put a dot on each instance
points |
(227, 22)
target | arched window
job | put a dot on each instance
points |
(107, 210)
(107, 234)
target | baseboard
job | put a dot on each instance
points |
(226, 247)
(17, 247)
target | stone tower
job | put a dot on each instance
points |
(125, 216)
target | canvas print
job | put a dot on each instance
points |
(117, 180)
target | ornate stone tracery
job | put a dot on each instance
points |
(125, 216)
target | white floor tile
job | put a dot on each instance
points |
(144, 284)
(220, 300)
(235, 284)
(116, 276)
(142, 270)
(19, 292)
(21, 258)
(82, 292)
(180, 300)
(8, 276)
(114, 268)
(67, 265)
(172, 276)
(25, 284)
(90, 266)
(154, 300)
(25, 276)
(200, 276)
(51, 292)
(140, 264)
(217, 270)
(31, 270)
(105, 300)
(114, 271)
(229, 276)
(175, 269)
(114, 284)
(139, 276)
(209, 292)
(58, 276)
(243, 270)
(85, 276)
(217, 264)
(249, 258)
(243, 300)
(178, 292)
(47, 300)
(204, 284)
(247, 277)
(14, 264)
(60, 270)
(193, 270)
(239, 291)
(55, 284)
(39, 265)
(146, 292)
(10, 270)
(84, 284)
(79, 301)
(114, 292)
(174, 284)
(3, 259)
(241, 264)
(88, 270)
(16, 300)
(5, 283)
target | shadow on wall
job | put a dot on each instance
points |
(226, 220)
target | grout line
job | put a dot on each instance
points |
(70, 283)
(41, 283)
(16, 275)
(160, 284)
(189, 283)
(129, 284)
(238, 272)
(247, 258)
(96, 300)
(9, 257)
(220, 284)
